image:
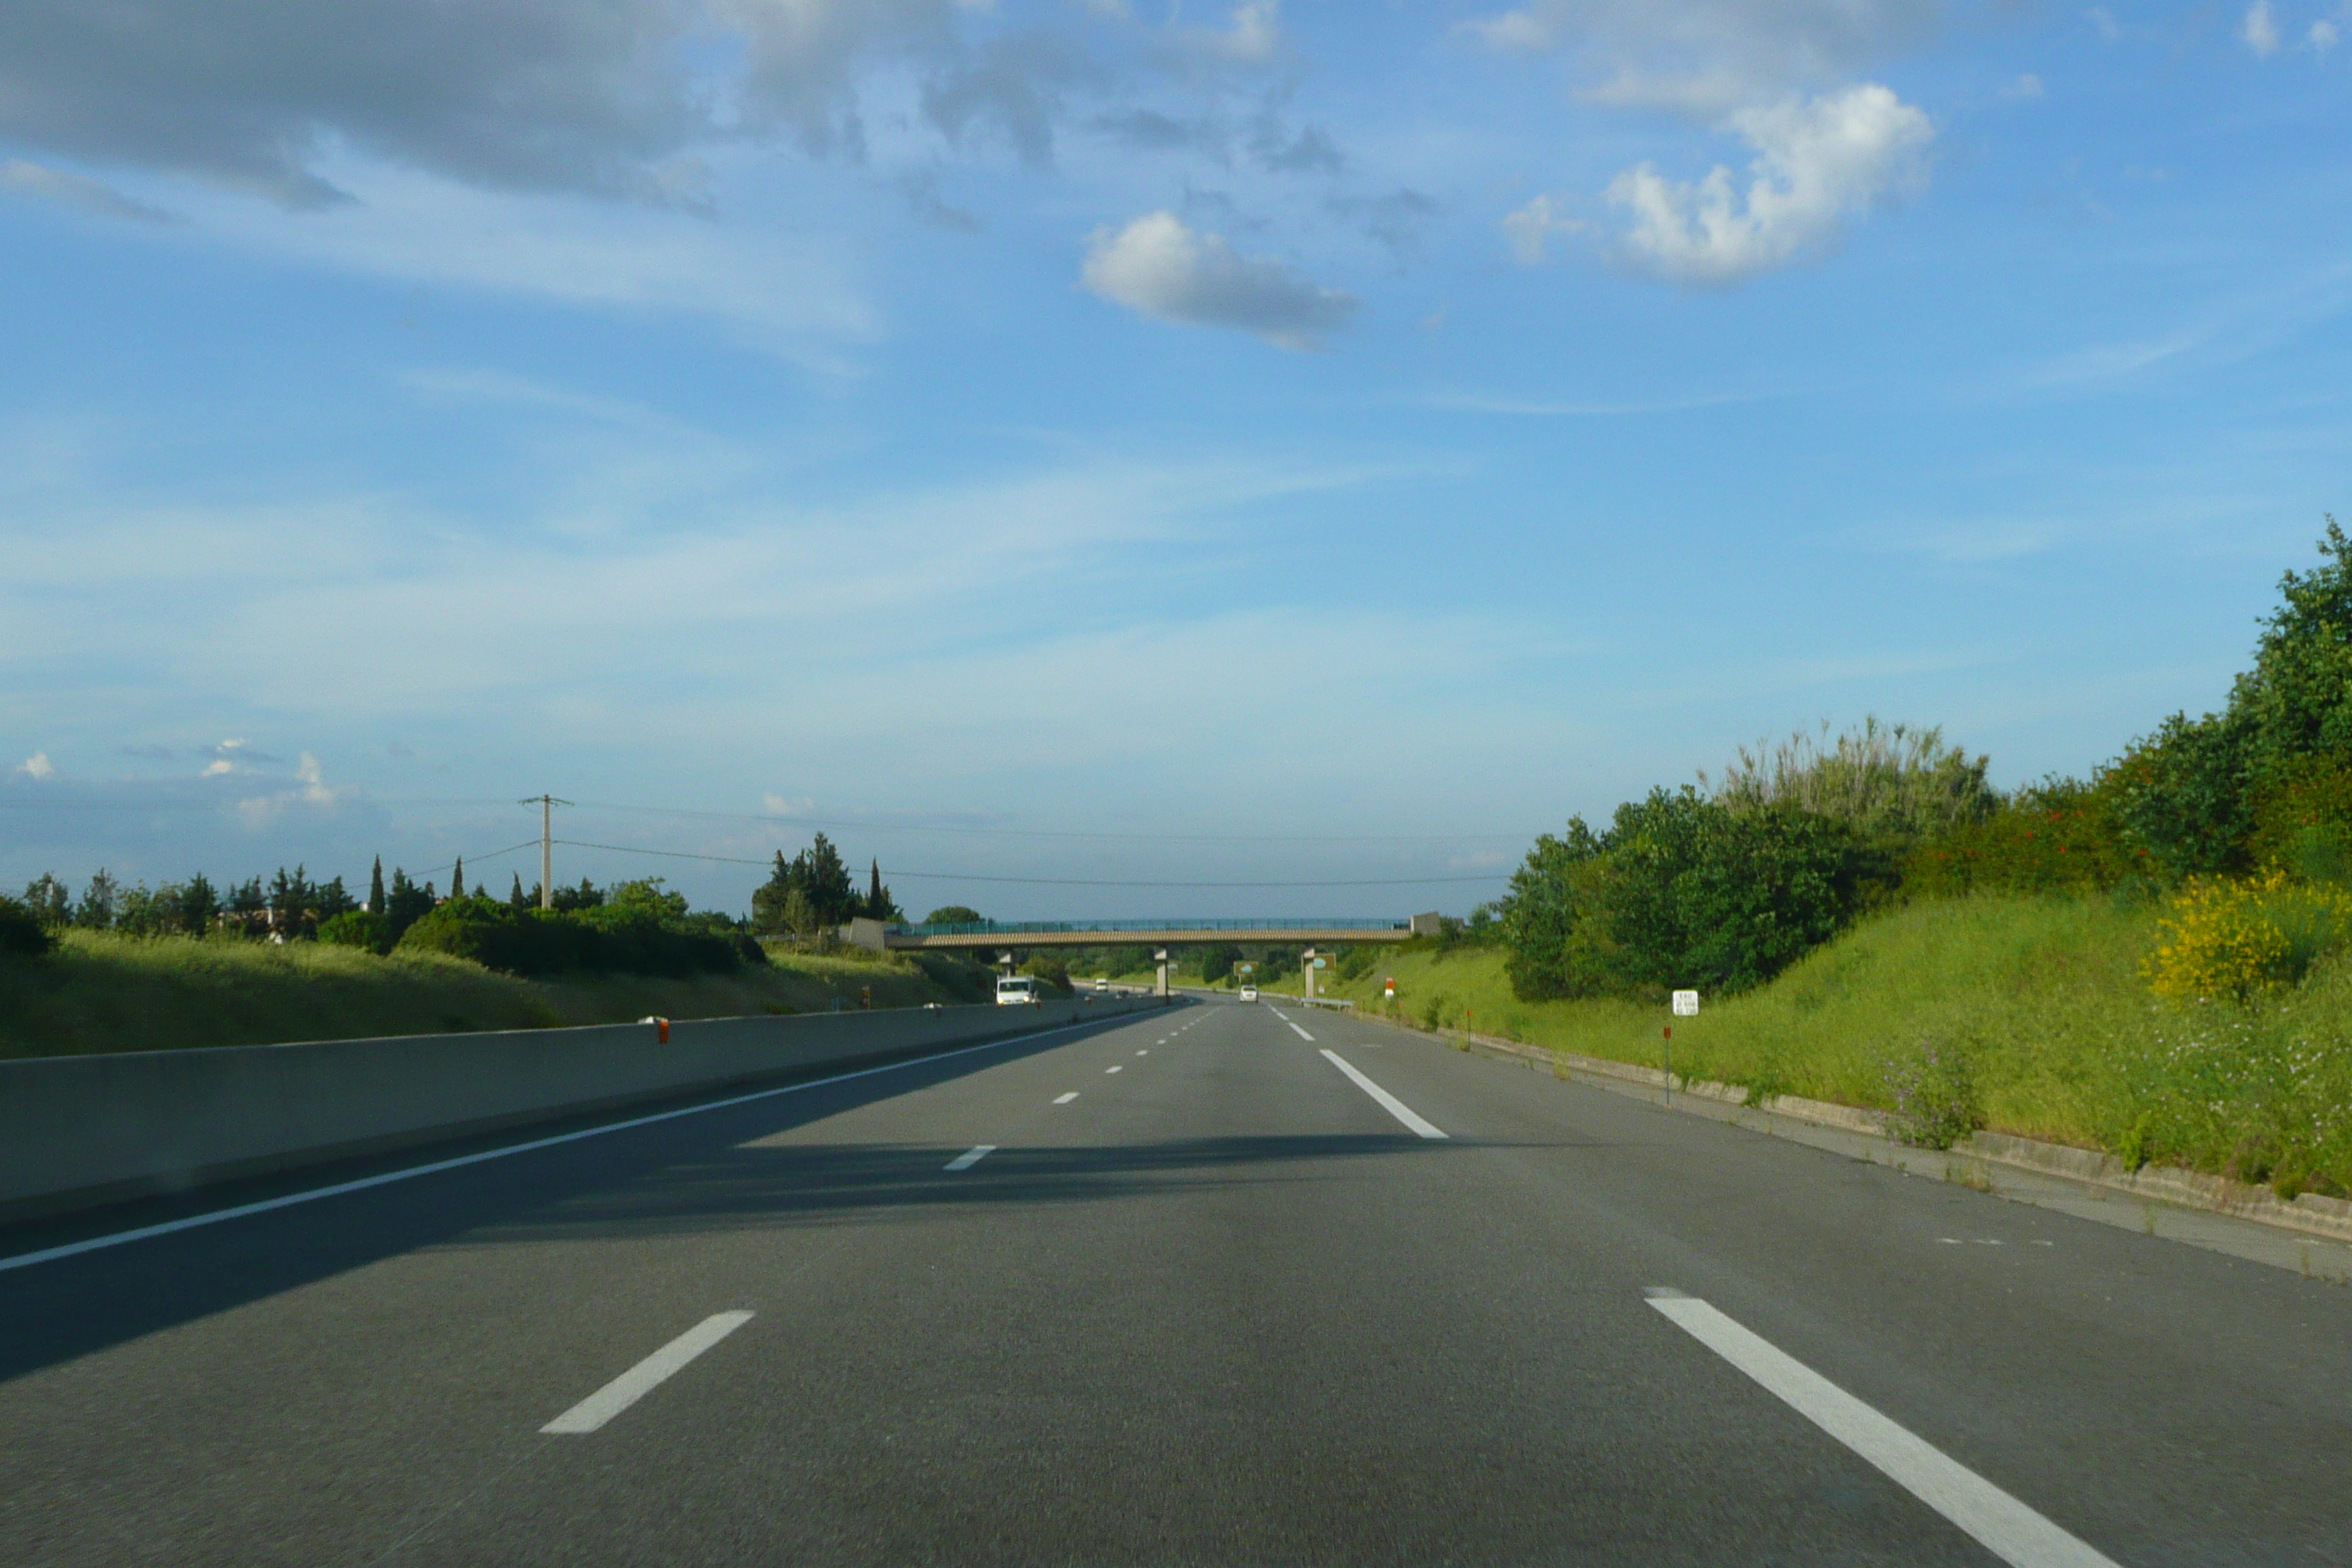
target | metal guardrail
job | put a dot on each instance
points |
(1114, 928)
(1326, 1001)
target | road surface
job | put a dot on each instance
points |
(1220, 1284)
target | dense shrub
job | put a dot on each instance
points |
(1935, 1095)
(1683, 890)
(21, 930)
(1051, 969)
(2059, 836)
(1887, 782)
(2225, 940)
(609, 937)
(358, 927)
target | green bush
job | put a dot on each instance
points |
(2056, 836)
(1683, 891)
(1049, 968)
(602, 940)
(358, 927)
(1935, 1096)
(21, 932)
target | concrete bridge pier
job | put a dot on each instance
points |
(1160, 984)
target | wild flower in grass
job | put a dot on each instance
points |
(1935, 1095)
(2232, 940)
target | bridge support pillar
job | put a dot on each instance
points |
(1159, 985)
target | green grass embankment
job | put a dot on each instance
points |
(104, 993)
(2039, 992)
(2041, 998)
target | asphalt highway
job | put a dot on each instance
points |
(1216, 1284)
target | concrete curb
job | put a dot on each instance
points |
(2309, 1213)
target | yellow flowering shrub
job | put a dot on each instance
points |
(2232, 938)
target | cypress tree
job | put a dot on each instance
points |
(457, 878)
(515, 899)
(375, 888)
(874, 893)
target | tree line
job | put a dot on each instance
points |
(1722, 884)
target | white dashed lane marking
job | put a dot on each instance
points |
(646, 1376)
(1998, 1521)
(1388, 1102)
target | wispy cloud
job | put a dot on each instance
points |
(77, 191)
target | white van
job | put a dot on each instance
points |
(1019, 991)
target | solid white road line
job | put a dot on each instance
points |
(646, 1375)
(970, 1157)
(1121, 1068)
(1065, 1099)
(1389, 1102)
(2002, 1525)
(336, 1190)
(1300, 1033)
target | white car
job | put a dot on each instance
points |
(1249, 992)
(1019, 991)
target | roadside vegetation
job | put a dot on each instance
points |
(100, 991)
(133, 968)
(2151, 961)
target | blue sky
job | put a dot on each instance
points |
(1104, 441)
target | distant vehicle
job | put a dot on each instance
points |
(1249, 992)
(1019, 991)
(1102, 981)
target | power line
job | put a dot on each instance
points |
(786, 820)
(867, 825)
(1045, 881)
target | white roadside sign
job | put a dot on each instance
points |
(1685, 1004)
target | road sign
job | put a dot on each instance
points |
(1247, 968)
(1685, 1004)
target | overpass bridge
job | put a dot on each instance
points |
(1160, 935)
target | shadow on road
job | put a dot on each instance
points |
(697, 1173)
(766, 1187)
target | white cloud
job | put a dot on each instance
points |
(1253, 35)
(2028, 86)
(1161, 267)
(1530, 226)
(1513, 32)
(38, 766)
(1818, 164)
(219, 767)
(2324, 34)
(2260, 30)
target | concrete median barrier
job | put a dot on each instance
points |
(79, 1132)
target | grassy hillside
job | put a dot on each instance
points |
(2040, 996)
(100, 992)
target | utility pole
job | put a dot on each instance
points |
(547, 805)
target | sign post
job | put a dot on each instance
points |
(1685, 1006)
